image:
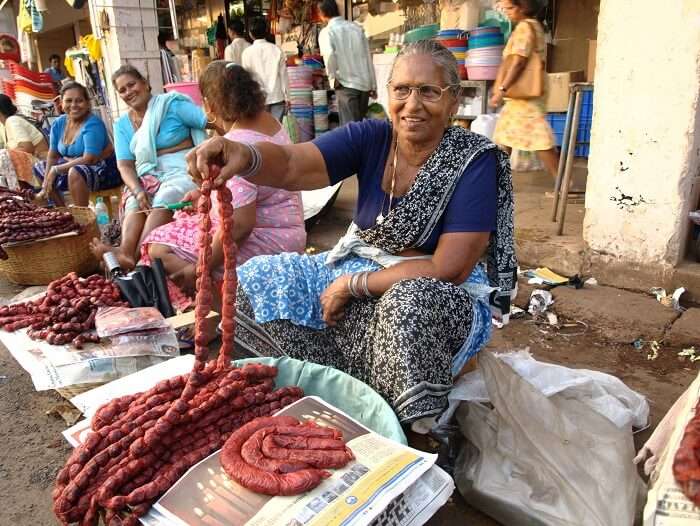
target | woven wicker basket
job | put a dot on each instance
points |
(41, 262)
(70, 391)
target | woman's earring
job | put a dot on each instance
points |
(210, 121)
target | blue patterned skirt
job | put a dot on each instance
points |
(407, 345)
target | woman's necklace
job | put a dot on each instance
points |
(136, 120)
(380, 217)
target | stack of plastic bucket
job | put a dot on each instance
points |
(456, 41)
(300, 101)
(485, 53)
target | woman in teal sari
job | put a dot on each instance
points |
(151, 142)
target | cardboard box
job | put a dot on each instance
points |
(558, 89)
(567, 54)
(590, 69)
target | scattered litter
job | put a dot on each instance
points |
(311, 250)
(516, 312)
(544, 276)
(592, 282)
(552, 319)
(66, 411)
(690, 353)
(540, 300)
(653, 352)
(576, 282)
(496, 323)
(566, 329)
(673, 300)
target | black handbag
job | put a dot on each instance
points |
(147, 287)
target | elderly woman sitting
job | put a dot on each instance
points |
(402, 301)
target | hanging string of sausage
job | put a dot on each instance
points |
(142, 444)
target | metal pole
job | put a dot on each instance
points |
(562, 154)
(569, 162)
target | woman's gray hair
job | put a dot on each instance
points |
(439, 54)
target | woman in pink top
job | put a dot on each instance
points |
(266, 220)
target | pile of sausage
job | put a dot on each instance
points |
(21, 194)
(66, 313)
(686, 466)
(280, 456)
(21, 220)
(142, 444)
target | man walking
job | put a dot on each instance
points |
(238, 44)
(268, 65)
(349, 66)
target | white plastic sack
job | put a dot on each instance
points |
(537, 459)
(603, 393)
(314, 200)
(485, 124)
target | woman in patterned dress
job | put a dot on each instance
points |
(267, 220)
(521, 124)
(402, 301)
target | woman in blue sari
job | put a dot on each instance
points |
(151, 142)
(81, 156)
(402, 301)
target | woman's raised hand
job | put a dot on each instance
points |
(233, 158)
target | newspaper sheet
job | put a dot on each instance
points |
(356, 494)
(388, 484)
(666, 504)
(90, 401)
(56, 366)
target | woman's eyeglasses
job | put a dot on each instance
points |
(426, 92)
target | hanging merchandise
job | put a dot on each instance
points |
(36, 17)
(93, 46)
(76, 4)
(24, 19)
(9, 48)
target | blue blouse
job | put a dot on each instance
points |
(362, 148)
(175, 127)
(91, 138)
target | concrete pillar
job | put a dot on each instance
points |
(130, 36)
(645, 144)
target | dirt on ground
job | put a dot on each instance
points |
(33, 450)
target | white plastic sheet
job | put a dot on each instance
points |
(556, 449)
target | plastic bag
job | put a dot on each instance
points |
(289, 123)
(485, 124)
(544, 459)
(111, 321)
(522, 161)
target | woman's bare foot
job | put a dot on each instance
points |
(99, 249)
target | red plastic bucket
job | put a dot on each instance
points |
(453, 42)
